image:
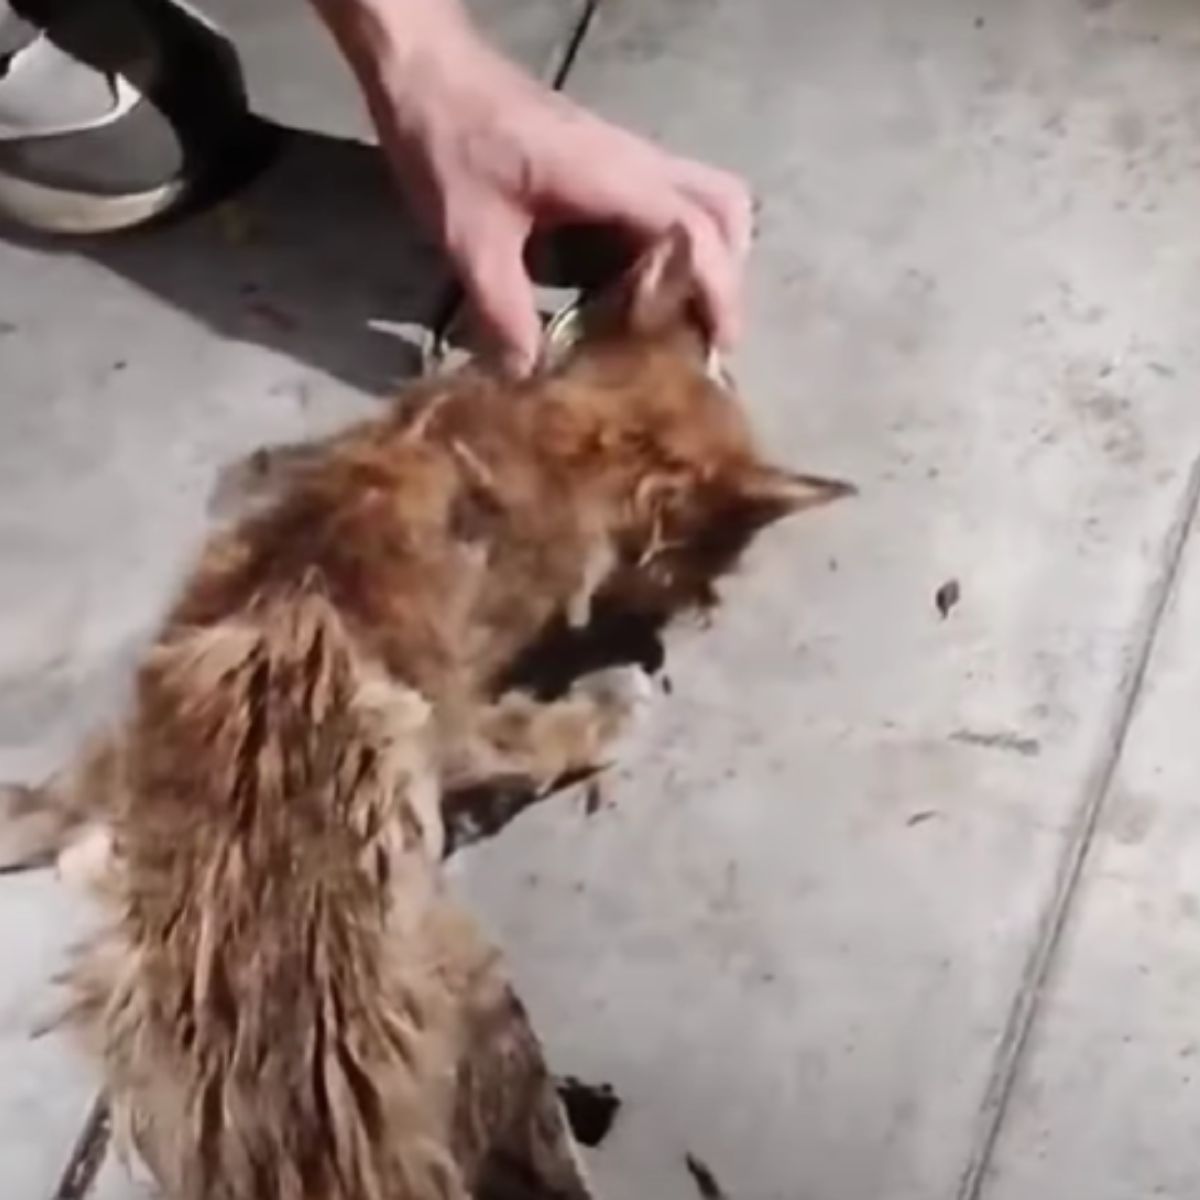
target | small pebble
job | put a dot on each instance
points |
(947, 597)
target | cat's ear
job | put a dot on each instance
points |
(662, 285)
(764, 494)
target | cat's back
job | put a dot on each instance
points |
(393, 518)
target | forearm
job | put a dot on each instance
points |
(395, 38)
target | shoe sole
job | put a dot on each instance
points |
(234, 144)
(55, 210)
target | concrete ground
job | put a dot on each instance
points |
(888, 904)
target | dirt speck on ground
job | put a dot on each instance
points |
(593, 797)
(946, 598)
(591, 1109)
(1014, 743)
(705, 1180)
(919, 818)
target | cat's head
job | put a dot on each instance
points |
(661, 425)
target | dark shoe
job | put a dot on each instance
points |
(113, 112)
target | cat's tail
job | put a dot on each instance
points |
(296, 722)
(282, 810)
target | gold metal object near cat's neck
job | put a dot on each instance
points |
(562, 330)
(566, 326)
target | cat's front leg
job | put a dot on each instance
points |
(544, 741)
(519, 749)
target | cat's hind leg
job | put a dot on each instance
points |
(33, 829)
(510, 1134)
(43, 824)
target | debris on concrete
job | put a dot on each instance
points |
(591, 1109)
(706, 1181)
(947, 597)
(593, 797)
(1029, 747)
(920, 818)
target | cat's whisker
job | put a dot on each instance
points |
(421, 424)
(479, 471)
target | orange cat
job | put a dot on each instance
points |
(285, 1003)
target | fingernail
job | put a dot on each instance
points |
(517, 364)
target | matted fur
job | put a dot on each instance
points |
(285, 1003)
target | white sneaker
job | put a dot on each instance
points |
(113, 112)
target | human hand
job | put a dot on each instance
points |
(487, 154)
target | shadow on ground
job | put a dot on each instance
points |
(316, 259)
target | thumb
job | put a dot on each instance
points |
(492, 265)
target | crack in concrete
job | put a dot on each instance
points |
(565, 58)
(1010, 1052)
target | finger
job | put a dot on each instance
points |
(492, 265)
(649, 211)
(640, 189)
(618, 180)
(724, 197)
(718, 279)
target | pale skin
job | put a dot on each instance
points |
(486, 154)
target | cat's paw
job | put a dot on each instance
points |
(86, 861)
(620, 696)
